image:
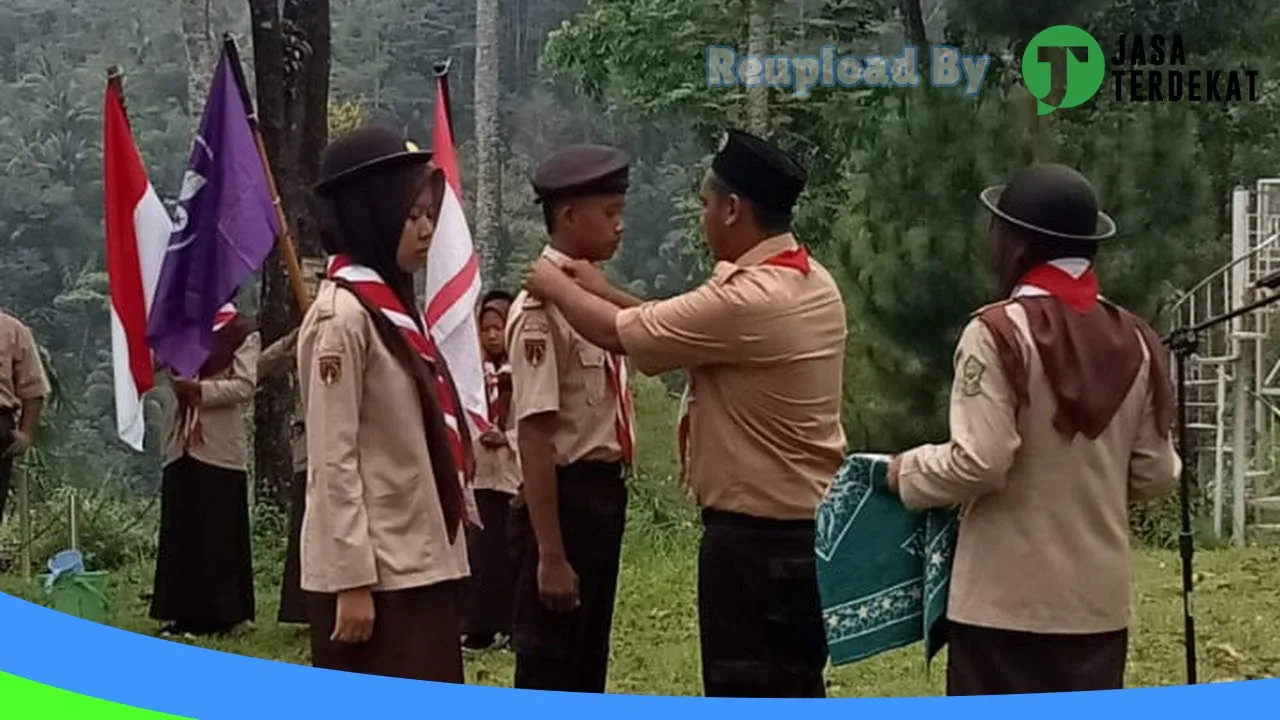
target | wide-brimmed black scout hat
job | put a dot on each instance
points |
(760, 171)
(369, 148)
(1053, 200)
(581, 170)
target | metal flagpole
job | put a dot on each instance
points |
(1183, 342)
(441, 73)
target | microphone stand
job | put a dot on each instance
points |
(1183, 342)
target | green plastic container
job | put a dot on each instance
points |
(81, 594)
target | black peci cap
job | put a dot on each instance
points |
(760, 171)
(1052, 200)
(364, 150)
(580, 170)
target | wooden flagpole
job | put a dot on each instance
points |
(285, 239)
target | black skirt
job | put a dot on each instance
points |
(490, 591)
(988, 661)
(415, 635)
(293, 601)
(204, 566)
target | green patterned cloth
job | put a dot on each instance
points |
(883, 570)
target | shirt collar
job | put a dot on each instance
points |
(1075, 267)
(766, 249)
(556, 257)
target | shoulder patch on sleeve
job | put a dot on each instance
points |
(533, 335)
(535, 350)
(971, 372)
(329, 366)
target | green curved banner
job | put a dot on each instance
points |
(26, 700)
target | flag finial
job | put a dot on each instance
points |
(442, 66)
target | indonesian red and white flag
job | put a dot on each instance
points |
(453, 280)
(137, 231)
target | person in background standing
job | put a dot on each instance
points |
(204, 566)
(278, 360)
(382, 538)
(23, 390)
(487, 613)
(1061, 416)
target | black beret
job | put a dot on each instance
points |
(579, 170)
(1051, 200)
(363, 150)
(759, 171)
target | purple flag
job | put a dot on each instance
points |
(225, 228)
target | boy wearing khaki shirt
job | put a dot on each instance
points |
(1061, 414)
(572, 408)
(23, 389)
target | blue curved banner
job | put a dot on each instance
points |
(96, 661)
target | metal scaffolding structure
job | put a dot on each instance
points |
(1233, 394)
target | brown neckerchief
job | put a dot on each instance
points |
(1090, 361)
(437, 434)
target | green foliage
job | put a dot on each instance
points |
(911, 227)
(648, 55)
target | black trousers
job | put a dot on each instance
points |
(570, 651)
(293, 601)
(759, 612)
(7, 426)
(988, 661)
(489, 592)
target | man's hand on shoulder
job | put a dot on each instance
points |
(589, 278)
(544, 280)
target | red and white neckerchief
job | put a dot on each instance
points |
(374, 290)
(623, 421)
(797, 259)
(492, 375)
(192, 430)
(1071, 280)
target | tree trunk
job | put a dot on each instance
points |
(291, 66)
(759, 29)
(197, 34)
(488, 195)
(913, 24)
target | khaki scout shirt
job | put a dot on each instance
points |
(373, 516)
(22, 375)
(498, 468)
(1044, 541)
(764, 347)
(223, 400)
(554, 369)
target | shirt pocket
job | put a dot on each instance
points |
(591, 365)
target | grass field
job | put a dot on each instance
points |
(655, 650)
(655, 646)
